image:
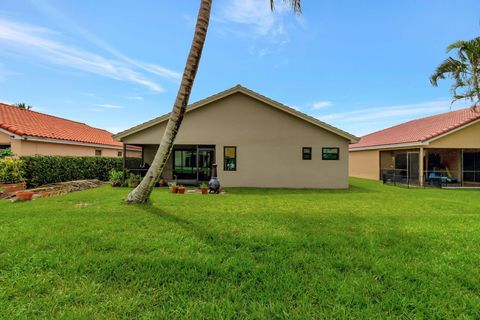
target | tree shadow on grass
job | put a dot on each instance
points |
(199, 232)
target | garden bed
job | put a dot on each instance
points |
(59, 188)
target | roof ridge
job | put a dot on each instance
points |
(256, 95)
(51, 116)
(420, 130)
(418, 119)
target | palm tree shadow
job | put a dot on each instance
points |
(199, 232)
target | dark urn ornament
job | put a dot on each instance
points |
(214, 184)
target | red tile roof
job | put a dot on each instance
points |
(418, 130)
(35, 124)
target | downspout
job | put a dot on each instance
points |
(124, 153)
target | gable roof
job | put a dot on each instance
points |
(419, 131)
(26, 123)
(252, 94)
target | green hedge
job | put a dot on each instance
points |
(40, 170)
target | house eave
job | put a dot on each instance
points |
(351, 138)
(391, 146)
(67, 142)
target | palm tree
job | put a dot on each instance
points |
(142, 193)
(465, 70)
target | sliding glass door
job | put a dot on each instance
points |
(471, 166)
(185, 164)
(193, 162)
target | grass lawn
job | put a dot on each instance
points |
(372, 251)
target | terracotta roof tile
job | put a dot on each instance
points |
(418, 130)
(35, 124)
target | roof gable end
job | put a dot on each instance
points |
(252, 94)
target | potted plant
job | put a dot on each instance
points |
(24, 195)
(173, 187)
(11, 175)
(204, 188)
(115, 177)
(162, 182)
(181, 189)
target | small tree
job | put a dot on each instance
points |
(23, 105)
(465, 70)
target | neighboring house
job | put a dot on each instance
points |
(28, 132)
(444, 148)
(256, 142)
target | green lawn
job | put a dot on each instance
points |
(372, 251)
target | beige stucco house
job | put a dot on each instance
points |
(27, 133)
(255, 141)
(443, 149)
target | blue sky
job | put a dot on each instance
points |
(359, 65)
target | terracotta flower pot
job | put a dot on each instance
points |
(12, 187)
(181, 190)
(204, 190)
(162, 183)
(174, 189)
(24, 195)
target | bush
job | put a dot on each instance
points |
(134, 180)
(11, 171)
(6, 153)
(115, 177)
(40, 170)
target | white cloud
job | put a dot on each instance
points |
(321, 105)
(68, 23)
(391, 112)
(254, 13)
(39, 42)
(110, 106)
(368, 120)
(254, 19)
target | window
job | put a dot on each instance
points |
(185, 163)
(4, 146)
(307, 153)
(98, 153)
(119, 153)
(230, 158)
(330, 153)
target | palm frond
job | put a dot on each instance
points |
(295, 5)
(465, 70)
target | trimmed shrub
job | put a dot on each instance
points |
(40, 170)
(11, 171)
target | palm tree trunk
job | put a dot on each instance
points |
(142, 193)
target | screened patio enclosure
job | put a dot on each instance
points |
(187, 164)
(428, 166)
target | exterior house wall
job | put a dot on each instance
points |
(468, 137)
(4, 139)
(364, 164)
(30, 148)
(269, 144)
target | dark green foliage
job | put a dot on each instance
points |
(40, 170)
(6, 153)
